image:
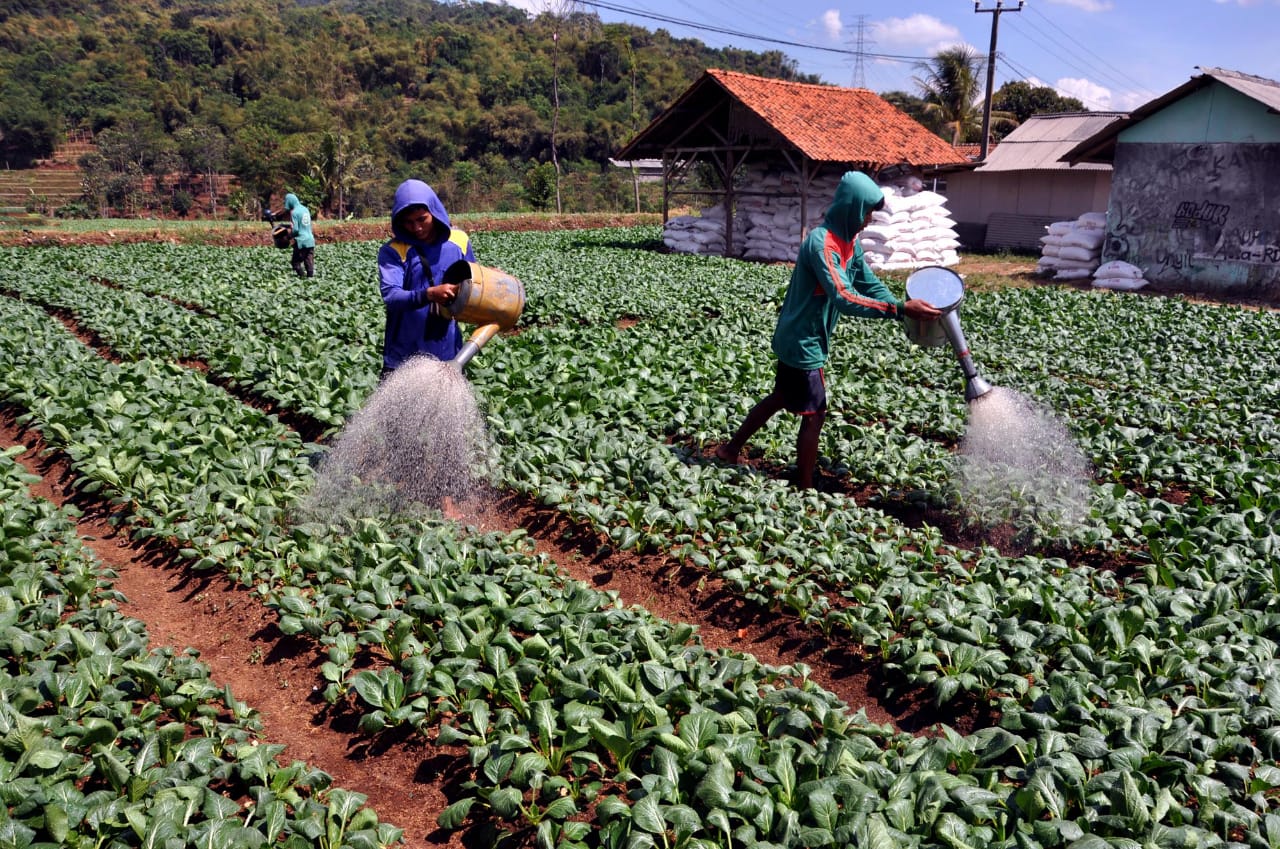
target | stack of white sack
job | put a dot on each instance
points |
(914, 229)
(771, 213)
(1118, 274)
(701, 234)
(1072, 250)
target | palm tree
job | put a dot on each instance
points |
(340, 166)
(951, 86)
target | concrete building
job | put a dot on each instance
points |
(1195, 190)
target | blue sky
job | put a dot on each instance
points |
(1111, 54)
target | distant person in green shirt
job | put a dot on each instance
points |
(304, 241)
(831, 279)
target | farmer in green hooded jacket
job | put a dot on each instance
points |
(304, 241)
(831, 278)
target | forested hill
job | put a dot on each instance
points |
(338, 99)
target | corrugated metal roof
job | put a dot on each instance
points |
(1040, 141)
(1261, 89)
(825, 123)
(1100, 147)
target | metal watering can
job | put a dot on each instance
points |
(488, 298)
(944, 290)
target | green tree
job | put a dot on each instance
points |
(541, 186)
(413, 83)
(340, 166)
(466, 175)
(918, 109)
(204, 150)
(28, 130)
(951, 85)
(255, 156)
(1022, 100)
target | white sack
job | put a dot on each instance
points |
(1118, 268)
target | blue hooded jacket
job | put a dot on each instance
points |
(831, 279)
(300, 218)
(406, 268)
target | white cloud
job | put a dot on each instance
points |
(1099, 98)
(1090, 6)
(831, 25)
(918, 33)
(1092, 95)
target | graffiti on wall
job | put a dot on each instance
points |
(1204, 215)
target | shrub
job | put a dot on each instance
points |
(75, 209)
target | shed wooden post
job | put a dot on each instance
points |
(727, 177)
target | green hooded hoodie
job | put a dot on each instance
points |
(831, 279)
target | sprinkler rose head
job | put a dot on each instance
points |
(975, 387)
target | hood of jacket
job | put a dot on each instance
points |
(856, 195)
(290, 200)
(417, 193)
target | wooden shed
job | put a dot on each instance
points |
(729, 120)
(1195, 190)
(1023, 186)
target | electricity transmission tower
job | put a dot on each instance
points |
(860, 54)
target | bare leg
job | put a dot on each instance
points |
(756, 419)
(807, 447)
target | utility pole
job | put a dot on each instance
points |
(991, 68)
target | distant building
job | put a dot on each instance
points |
(1195, 191)
(647, 170)
(1023, 186)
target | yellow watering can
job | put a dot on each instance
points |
(487, 297)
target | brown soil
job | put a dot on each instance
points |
(326, 231)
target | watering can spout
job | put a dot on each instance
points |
(974, 386)
(488, 298)
(473, 345)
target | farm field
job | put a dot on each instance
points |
(631, 644)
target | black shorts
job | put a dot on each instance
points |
(803, 392)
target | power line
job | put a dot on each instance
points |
(1050, 44)
(1120, 74)
(888, 57)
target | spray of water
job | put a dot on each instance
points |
(1019, 464)
(418, 444)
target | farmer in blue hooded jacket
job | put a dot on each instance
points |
(831, 278)
(304, 241)
(411, 273)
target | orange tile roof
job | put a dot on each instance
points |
(832, 124)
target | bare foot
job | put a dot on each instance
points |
(723, 453)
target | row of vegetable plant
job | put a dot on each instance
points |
(105, 742)
(1031, 629)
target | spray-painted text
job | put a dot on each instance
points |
(1191, 214)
